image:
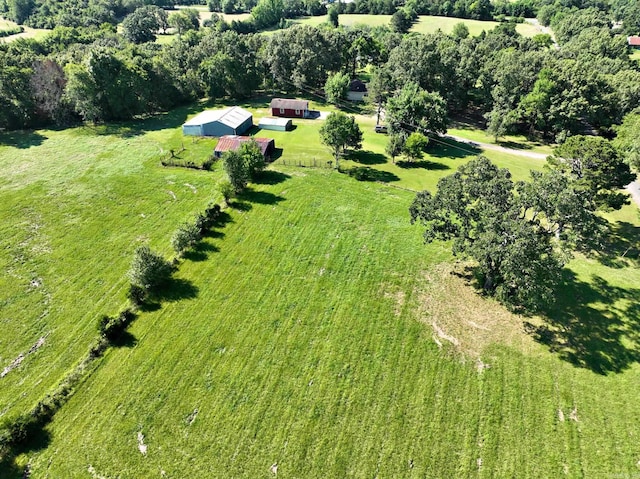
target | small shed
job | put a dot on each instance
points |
(289, 108)
(229, 121)
(277, 124)
(233, 142)
(634, 41)
(357, 90)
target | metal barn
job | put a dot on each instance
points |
(230, 121)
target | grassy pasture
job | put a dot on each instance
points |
(635, 55)
(425, 23)
(305, 331)
(37, 33)
(73, 209)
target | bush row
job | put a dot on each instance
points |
(206, 164)
(148, 271)
(11, 31)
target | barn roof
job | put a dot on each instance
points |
(233, 142)
(634, 41)
(232, 117)
(289, 104)
(279, 121)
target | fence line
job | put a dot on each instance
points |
(313, 163)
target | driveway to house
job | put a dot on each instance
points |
(489, 146)
(634, 191)
(632, 188)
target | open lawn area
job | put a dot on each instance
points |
(312, 333)
(635, 55)
(425, 23)
(37, 33)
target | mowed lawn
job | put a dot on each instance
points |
(424, 24)
(306, 344)
(313, 330)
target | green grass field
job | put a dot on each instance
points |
(425, 23)
(635, 55)
(305, 332)
(37, 33)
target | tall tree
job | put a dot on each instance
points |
(336, 87)
(339, 132)
(142, 25)
(477, 209)
(235, 168)
(595, 166)
(415, 145)
(628, 139)
(413, 109)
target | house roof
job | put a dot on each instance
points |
(289, 104)
(634, 41)
(232, 117)
(275, 121)
(357, 85)
(233, 142)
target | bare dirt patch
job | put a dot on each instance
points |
(142, 447)
(461, 316)
(398, 298)
(21, 357)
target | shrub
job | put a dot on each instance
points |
(212, 212)
(208, 163)
(185, 237)
(136, 294)
(148, 269)
(110, 328)
(201, 222)
(227, 191)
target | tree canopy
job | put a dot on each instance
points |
(476, 208)
(413, 109)
(339, 132)
(595, 166)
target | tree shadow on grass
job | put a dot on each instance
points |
(424, 164)
(124, 340)
(159, 121)
(222, 220)
(243, 206)
(368, 158)
(175, 289)
(271, 177)
(621, 247)
(200, 251)
(450, 148)
(261, 197)
(514, 145)
(22, 139)
(364, 173)
(38, 439)
(593, 325)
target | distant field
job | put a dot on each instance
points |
(425, 23)
(205, 14)
(635, 55)
(28, 32)
(314, 330)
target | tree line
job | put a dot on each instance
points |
(521, 85)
